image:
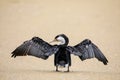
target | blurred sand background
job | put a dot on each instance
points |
(98, 20)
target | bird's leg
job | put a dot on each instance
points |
(57, 68)
(68, 69)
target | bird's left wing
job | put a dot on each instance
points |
(86, 50)
(35, 47)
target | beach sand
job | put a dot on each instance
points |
(97, 20)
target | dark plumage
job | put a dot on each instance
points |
(41, 49)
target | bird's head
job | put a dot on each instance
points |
(62, 38)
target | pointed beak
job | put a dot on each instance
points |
(55, 40)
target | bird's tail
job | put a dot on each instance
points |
(62, 63)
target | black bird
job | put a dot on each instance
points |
(41, 49)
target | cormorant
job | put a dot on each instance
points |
(41, 49)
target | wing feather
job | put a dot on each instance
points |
(35, 47)
(73, 50)
(89, 50)
(99, 55)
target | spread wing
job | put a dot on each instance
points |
(88, 50)
(35, 47)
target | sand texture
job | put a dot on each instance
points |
(97, 20)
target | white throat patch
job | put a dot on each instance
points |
(61, 39)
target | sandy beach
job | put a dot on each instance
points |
(97, 20)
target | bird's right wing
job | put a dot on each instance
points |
(87, 50)
(35, 47)
(90, 50)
